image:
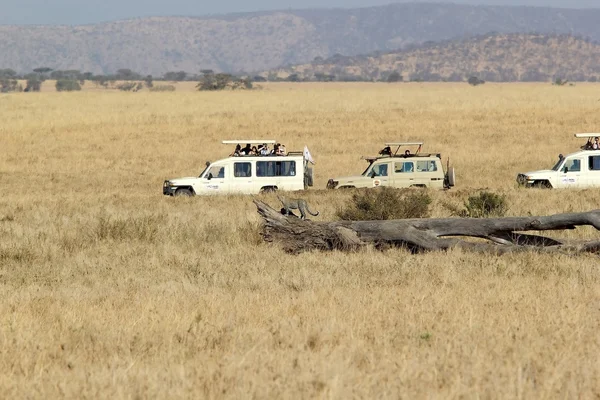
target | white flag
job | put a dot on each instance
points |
(307, 155)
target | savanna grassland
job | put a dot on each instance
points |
(111, 290)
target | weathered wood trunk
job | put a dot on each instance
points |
(502, 234)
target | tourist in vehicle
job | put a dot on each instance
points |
(407, 153)
(254, 151)
(246, 150)
(596, 145)
(275, 150)
(264, 151)
(236, 152)
(281, 150)
(386, 151)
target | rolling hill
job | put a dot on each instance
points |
(492, 57)
(259, 41)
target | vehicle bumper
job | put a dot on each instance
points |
(525, 181)
(168, 190)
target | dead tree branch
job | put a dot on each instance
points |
(503, 235)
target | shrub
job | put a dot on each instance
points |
(130, 86)
(386, 203)
(67, 85)
(475, 81)
(485, 204)
(162, 88)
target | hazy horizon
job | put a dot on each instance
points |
(74, 12)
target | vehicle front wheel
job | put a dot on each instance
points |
(542, 185)
(184, 192)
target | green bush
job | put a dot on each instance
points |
(67, 85)
(485, 204)
(386, 203)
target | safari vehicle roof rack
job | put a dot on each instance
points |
(587, 135)
(251, 141)
(400, 144)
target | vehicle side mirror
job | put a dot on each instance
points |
(209, 177)
(372, 174)
(565, 170)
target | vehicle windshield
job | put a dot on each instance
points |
(558, 164)
(366, 171)
(205, 169)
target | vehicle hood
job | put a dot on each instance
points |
(349, 178)
(541, 172)
(188, 180)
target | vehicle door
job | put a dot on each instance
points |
(404, 173)
(427, 174)
(217, 179)
(242, 181)
(288, 178)
(380, 174)
(570, 173)
(592, 175)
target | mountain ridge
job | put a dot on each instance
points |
(268, 39)
(492, 57)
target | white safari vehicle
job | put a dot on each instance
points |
(247, 174)
(399, 169)
(576, 170)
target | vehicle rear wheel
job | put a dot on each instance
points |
(184, 192)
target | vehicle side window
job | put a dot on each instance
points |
(381, 170)
(573, 165)
(276, 168)
(594, 163)
(242, 169)
(217, 171)
(426, 166)
(406, 166)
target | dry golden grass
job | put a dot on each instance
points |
(110, 289)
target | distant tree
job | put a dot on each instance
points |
(221, 81)
(68, 74)
(67, 85)
(475, 81)
(293, 78)
(259, 78)
(321, 77)
(34, 84)
(175, 76)
(42, 70)
(7, 73)
(125, 74)
(560, 82)
(592, 79)
(394, 77)
(148, 81)
(10, 85)
(207, 72)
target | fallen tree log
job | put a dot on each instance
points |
(503, 235)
